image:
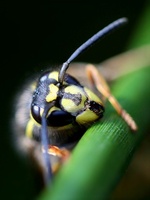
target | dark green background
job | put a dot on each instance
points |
(35, 36)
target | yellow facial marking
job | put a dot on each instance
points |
(53, 75)
(74, 99)
(31, 124)
(86, 117)
(54, 108)
(92, 96)
(53, 89)
(70, 106)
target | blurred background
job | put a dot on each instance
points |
(36, 36)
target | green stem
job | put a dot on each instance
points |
(104, 152)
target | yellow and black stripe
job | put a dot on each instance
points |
(74, 108)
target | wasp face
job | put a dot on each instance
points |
(71, 106)
(59, 110)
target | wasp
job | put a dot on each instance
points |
(53, 112)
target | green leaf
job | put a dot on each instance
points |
(102, 155)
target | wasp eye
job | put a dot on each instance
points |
(59, 118)
(35, 111)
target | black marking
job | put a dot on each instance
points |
(42, 90)
(71, 80)
(39, 95)
(96, 108)
(60, 118)
(76, 98)
(35, 111)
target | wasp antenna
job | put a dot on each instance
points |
(99, 35)
(45, 146)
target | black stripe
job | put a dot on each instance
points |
(76, 98)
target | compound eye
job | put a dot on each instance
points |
(35, 111)
(59, 118)
(71, 80)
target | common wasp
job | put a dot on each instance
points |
(53, 112)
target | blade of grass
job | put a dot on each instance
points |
(102, 155)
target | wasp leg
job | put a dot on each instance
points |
(33, 149)
(58, 157)
(99, 82)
